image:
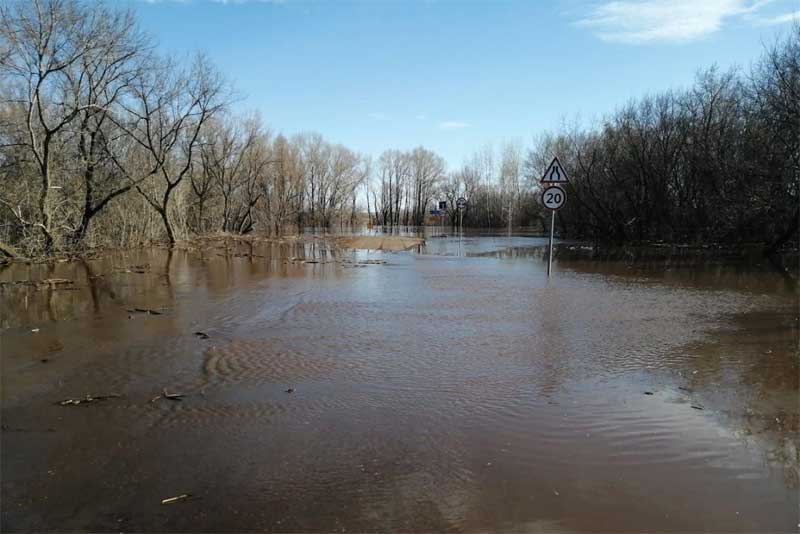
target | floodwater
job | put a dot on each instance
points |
(453, 387)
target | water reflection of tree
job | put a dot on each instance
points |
(683, 266)
(98, 285)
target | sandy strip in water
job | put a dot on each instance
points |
(376, 242)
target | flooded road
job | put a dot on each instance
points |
(453, 387)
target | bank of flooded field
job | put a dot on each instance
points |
(300, 386)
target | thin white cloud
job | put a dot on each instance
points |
(453, 125)
(648, 21)
(378, 116)
(792, 16)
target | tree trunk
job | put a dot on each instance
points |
(45, 226)
(9, 251)
(785, 236)
(167, 226)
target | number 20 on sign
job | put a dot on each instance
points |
(553, 198)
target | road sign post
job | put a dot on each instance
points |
(553, 198)
(461, 204)
(550, 247)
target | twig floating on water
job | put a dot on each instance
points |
(147, 311)
(176, 499)
(172, 396)
(87, 399)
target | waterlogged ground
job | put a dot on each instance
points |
(453, 387)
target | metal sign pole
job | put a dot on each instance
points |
(550, 249)
(553, 198)
(461, 204)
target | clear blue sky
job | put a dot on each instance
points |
(453, 76)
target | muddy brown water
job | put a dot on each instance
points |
(450, 388)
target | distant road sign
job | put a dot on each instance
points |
(555, 174)
(461, 203)
(442, 204)
(436, 212)
(554, 198)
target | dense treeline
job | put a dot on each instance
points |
(106, 142)
(717, 162)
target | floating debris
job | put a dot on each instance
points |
(167, 395)
(290, 390)
(87, 399)
(54, 281)
(648, 392)
(172, 396)
(171, 500)
(202, 335)
(146, 311)
(697, 407)
(138, 269)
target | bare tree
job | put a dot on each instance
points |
(511, 179)
(283, 190)
(426, 171)
(257, 159)
(223, 152)
(168, 109)
(65, 63)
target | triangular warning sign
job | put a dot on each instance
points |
(555, 174)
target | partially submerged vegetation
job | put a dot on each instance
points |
(106, 143)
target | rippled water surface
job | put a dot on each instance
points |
(453, 387)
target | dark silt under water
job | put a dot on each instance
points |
(450, 388)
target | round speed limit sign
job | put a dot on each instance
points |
(554, 198)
